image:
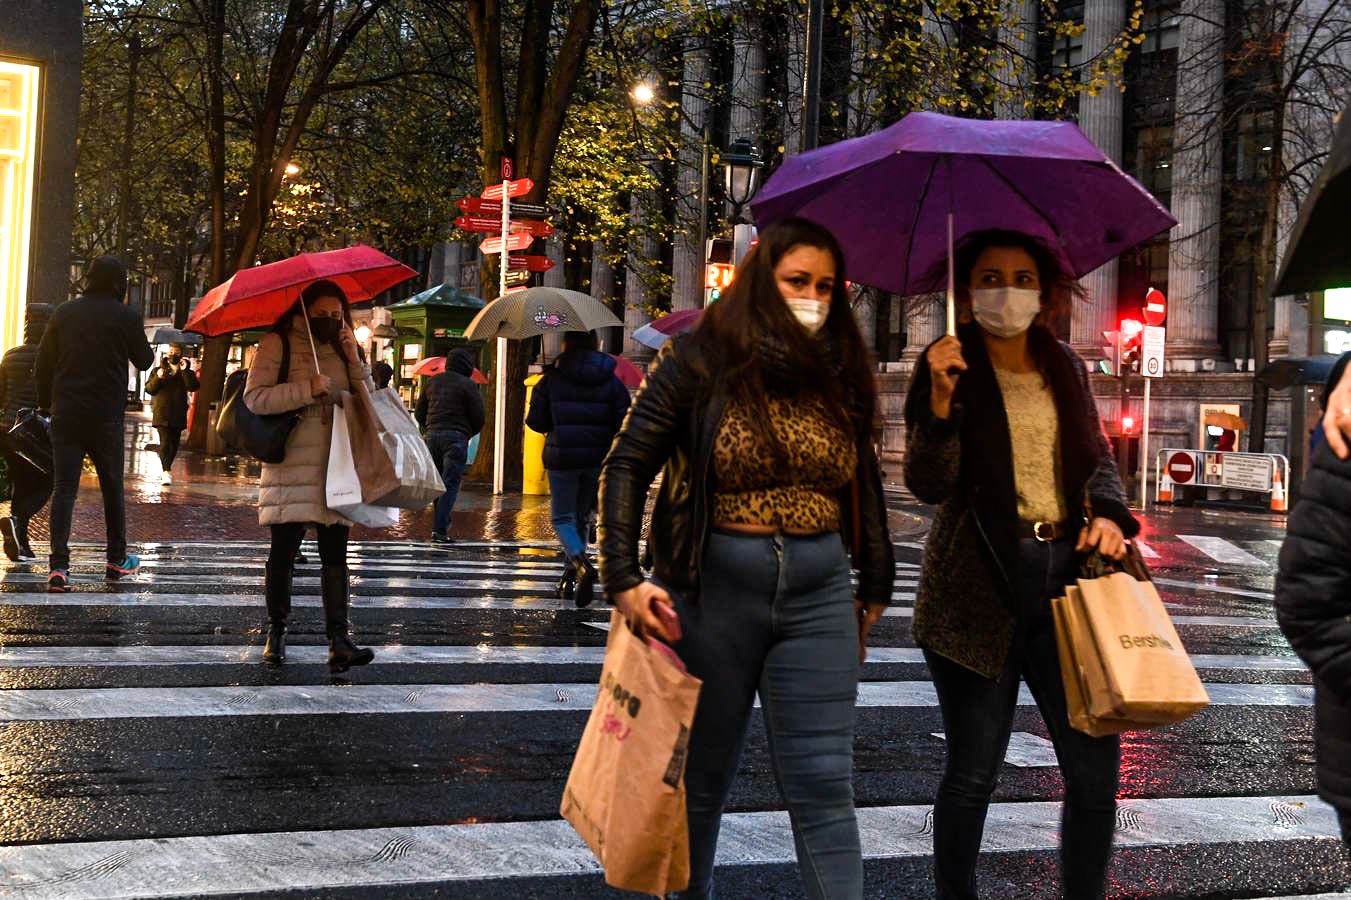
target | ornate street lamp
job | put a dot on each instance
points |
(741, 164)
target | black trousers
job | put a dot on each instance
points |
(169, 441)
(978, 716)
(286, 540)
(104, 443)
(30, 489)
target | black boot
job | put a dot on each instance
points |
(277, 591)
(342, 653)
(586, 576)
(567, 582)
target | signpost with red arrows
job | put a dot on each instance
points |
(490, 214)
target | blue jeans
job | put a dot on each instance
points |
(776, 617)
(978, 719)
(450, 449)
(572, 497)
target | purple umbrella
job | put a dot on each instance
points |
(896, 199)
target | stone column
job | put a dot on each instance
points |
(687, 267)
(1193, 255)
(795, 70)
(603, 289)
(748, 80)
(925, 317)
(637, 299)
(1282, 309)
(1100, 118)
(436, 265)
(865, 314)
(1018, 36)
(452, 260)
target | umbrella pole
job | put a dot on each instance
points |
(952, 279)
(310, 332)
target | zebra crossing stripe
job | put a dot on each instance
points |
(458, 655)
(291, 700)
(1222, 551)
(510, 852)
(1025, 750)
(1146, 551)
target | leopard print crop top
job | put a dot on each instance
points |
(800, 496)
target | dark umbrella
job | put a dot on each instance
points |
(174, 336)
(1283, 373)
(1320, 254)
(899, 198)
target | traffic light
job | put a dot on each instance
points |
(1110, 364)
(1132, 338)
(718, 269)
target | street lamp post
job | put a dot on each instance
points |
(741, 170)
(706, 146)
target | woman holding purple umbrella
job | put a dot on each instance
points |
(1003, 435)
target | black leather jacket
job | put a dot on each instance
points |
(673, 423)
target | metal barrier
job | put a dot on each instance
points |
(1261, 473)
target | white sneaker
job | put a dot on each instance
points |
(166, 478)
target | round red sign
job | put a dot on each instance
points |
(1181, 467)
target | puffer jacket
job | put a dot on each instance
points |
(293, 490)
(1313, 605)
(966, 608)
(672, 428)
(579, 404)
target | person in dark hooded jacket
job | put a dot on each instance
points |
(1313, 603)
(29, 487)
(580, 404)
(81, 374)
(450, 412)
(169, 386)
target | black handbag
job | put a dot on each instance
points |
(262, 437)
(30, 439)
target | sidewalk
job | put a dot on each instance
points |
(216, 499)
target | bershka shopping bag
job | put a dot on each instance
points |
(419, 477)
(342, 485)
(626, 792)
(1125, 658)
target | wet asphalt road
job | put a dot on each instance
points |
(80, 762)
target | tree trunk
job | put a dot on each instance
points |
(1266, 281)
(217, 350)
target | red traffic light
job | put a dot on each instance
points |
(1131, 329)
(719, 275)
(1127, 424)
(1156, 307)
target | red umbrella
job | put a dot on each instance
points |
(257, 296)
(627, 371)
(435, 365)
(657, 332)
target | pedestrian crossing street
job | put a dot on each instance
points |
(145, 750)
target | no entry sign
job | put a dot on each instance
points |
(1182, 467)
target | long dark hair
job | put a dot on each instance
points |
(308, 297)
(1059, 289)
(731, 333)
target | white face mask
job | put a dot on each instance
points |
(811, 313)
(1005, 312)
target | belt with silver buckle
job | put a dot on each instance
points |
(1045, 532)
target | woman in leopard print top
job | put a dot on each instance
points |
(763, 419)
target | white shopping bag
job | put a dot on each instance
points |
(342, 487)
(419, 476)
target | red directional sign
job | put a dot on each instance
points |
(531, 226)
(512, 242)
(479, 223)
(477, 206)
(530, 263)
(1182, 467)
(518, 188)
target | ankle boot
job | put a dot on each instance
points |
(586, 576)
(277, 591)
(342, 653)
(567, 582)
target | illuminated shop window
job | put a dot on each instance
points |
(18, 150)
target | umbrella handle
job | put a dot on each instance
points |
(952, 277)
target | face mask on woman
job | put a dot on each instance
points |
(810, 313)
(325, 328)
(1005, 312)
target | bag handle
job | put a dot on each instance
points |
(1095, 565)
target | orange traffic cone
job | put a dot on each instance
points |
(1165, 488)
(1278, 503)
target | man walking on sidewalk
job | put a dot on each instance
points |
(450, 412)
(81, 373)
(169, 387)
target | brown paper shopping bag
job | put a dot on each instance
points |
(1078, 657)
(1146, 675)
(625, 794)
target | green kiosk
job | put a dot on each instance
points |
(431, 323)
